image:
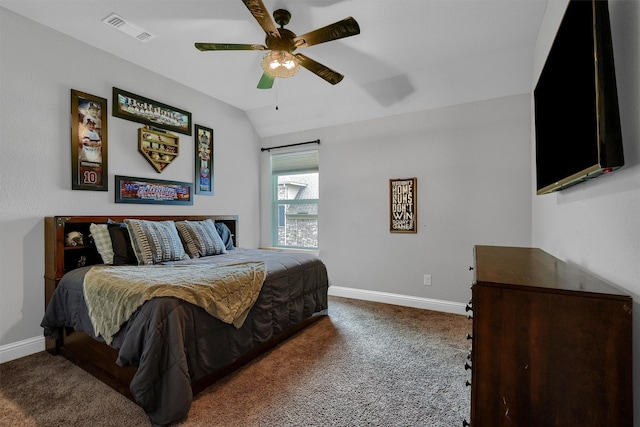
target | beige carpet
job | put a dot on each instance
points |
(367, 364)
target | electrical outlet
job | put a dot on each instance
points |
(427, 280)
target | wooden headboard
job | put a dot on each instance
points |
(60, 259)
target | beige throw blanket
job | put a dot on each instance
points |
(227, 291)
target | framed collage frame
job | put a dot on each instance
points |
(89, 168)
(203, 143)
(136, 108)
(403, 204)
(152, 191)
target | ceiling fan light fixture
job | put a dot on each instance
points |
(280, 63)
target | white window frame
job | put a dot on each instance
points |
(297, 162)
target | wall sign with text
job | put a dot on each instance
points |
(403, 205)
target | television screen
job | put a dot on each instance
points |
(576, 110)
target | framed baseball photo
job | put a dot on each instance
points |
(129, 106)
(204, 160)
(88, 142)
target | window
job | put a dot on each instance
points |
(295, 195)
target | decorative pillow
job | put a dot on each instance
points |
(225, 235)
(200, 238)
(123, 253)
(102, 240)
(155, 241)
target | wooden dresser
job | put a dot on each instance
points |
(551, 344)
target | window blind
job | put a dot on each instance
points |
(296, 162)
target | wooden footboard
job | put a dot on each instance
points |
(95, 357)
(98, 359)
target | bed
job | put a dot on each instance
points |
(167, 348)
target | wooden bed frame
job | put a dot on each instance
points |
(96, 357)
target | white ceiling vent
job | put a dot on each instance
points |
(121, 24)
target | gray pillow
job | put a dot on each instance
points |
(225, 235)
(200, 238)
(155, 241)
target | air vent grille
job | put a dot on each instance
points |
(114, 21)
(144, 36)
(121, 24)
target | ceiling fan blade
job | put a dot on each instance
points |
(319, 70)
(345, 28)
(259, 11)
(266, 81)
(228, 46)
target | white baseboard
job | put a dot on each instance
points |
(20, 349)
(397, 299)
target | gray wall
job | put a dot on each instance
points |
(596, 225)
(472, 163)
(38, 69)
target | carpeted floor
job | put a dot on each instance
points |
(367, 364)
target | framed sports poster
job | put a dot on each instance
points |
(403, 205)
(129, 106)
(89, 169)
(153, 191)
(204, 160)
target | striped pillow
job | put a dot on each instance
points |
(155, 241)
(200, 238)
(102, 240)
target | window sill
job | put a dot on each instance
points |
(315, 252)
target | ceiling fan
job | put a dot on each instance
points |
(280, 61)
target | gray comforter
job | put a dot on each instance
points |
(173, 342)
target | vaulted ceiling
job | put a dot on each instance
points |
(411, 55)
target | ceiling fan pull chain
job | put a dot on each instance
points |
(276, 85)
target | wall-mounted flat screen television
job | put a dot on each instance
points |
(577, 121)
